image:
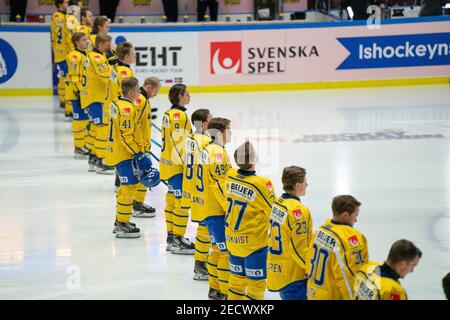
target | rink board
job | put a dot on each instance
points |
(257, 56)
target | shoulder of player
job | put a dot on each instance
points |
(124, 72)
(176, 115)
(297, 210)
(124, 107)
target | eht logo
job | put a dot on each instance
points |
(226, 57)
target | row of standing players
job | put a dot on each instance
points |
(247, 238)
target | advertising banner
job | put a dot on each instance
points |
(344, 53)
(170, 56)
(23, 67)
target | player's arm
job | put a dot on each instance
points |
(102, 69)
(300, 234)
(179, 130)
(217, 171)
(145, 126)
(126, 123)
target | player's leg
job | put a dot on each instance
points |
(101, 138)
(92, 134)
(62, 70)
(237, 284)
(216, 227)
(180, 217)
(168, 212)
(213, 278)
(140, 209)
(202, 246)
(124, 201)
(256, 272)
(79, 130)
(294, 291)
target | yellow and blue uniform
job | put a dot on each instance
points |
(195, 143)
(176, 127)
(378, 282)
(59, 50)
(96, 73)
(250, 199)
(290, 237)
(213, 165)
(86, 30)
(75, 61)
(126, 141)
(70, 26)
(326, 279)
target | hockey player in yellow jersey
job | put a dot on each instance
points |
(337, 252)
(96, 75)
(70, 27)
(127, 56)
(213, 165)
(149, 90)
(85, 27)
(75, 63)
(250, 198)
(290, 236)
(381, 282)
(194, 145)
(129, 156)
(120, 71)
(58, 47)
(176, 127)
(101, 26)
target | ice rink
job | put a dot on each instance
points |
(389, 147)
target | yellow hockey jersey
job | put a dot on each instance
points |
(119, 72)
(58, 41)
(124, 130)
(378, 282)
(70, 27)
(211, 173)
(290, 237)
(195, 143)
(176, 127)
(326, 280)
(75, 61)
(96, 73)
(250, 199)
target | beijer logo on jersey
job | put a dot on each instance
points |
(242, 191)
(298, 213)
(325, 240)
(353, 241)
(278, 215)
(226, 57)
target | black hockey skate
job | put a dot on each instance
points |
(141, 210)
(200, 271)
(127, 230)
(182, 245)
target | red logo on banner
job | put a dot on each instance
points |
(226, 57)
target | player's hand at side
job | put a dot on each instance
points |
(143, 161)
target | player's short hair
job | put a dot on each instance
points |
(123, 49)
(175, 92)
(58, 3)
(245, 156)
(403, 250)
(73, 2)
(199, 117)
(102, 38)
(446, 285)
(291, 176)
(217, 125)
(129, 84)
(344, 203)
(152, 81)
(77, 37)
(83, 12)
(99, 22)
